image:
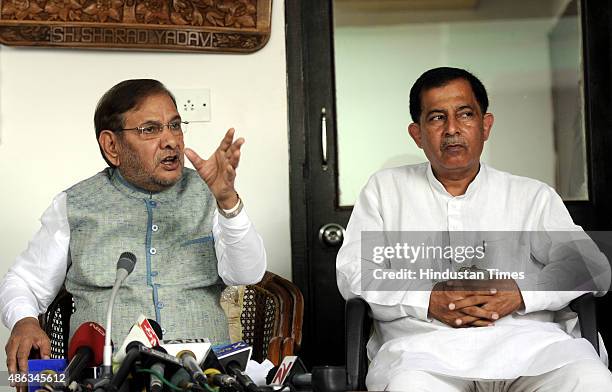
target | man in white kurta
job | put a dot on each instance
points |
(532, 343)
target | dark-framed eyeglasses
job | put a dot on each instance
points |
(154, 130)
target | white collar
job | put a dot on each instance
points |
(471, 189)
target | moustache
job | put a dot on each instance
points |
(170, 154)
(453, 141)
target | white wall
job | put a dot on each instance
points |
(47, 100)
(377, 65)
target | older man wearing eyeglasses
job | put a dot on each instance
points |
(188, 229)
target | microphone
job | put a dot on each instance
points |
(85, 349)
(146, 357)
(233, 359)
(155, 384)
(146, 331)
(182, 379)
(243, 378)
(137, 350)
(291, 372)
(189, 362)
(133, 353)
(237, 353)
(125, 266)
(199, 347)
(192, 353)
(224, 381)
(157, 330)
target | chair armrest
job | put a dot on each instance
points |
(587, 316)
(357, 327)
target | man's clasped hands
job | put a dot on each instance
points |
(474, 303)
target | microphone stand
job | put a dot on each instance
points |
(125, 266)
(108, 348)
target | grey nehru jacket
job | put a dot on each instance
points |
(175, 280)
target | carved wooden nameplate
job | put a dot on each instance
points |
(169, 25)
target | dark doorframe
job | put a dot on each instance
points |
(596, 214)
(313, 190)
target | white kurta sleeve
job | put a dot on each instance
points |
(38, 273)
(571, 260)
(241, 256)
(386, 305)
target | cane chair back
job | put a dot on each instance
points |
(56, 323)
(258, 318)
(273, 311)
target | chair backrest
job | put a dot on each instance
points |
(286, 334)
(56, 323)
(271, 319)
(260, 310)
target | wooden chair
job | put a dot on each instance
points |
(271, 319)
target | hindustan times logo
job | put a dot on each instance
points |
(430, 274)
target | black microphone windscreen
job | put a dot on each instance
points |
(126, 366)
(157, 328)
(271, 375)
(127, 260)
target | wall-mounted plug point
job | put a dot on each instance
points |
(193, 104)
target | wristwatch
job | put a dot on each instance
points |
(232, 212)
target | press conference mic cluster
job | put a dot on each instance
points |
(145, 361)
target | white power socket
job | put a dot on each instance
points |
(193, 104)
